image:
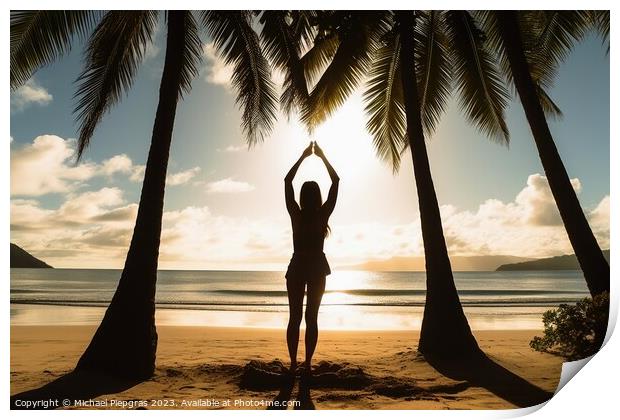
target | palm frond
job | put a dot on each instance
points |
(192, 53)
(538, 69)
(483, 95)
(548, 37)
(318, 57)
(303, 26)
(282, 46)
(239, 45)
(558, 32)
(113, 55)
(549, 107)
(38, 37)
(359, 32)
(433, 68)
(384, 101)
(599, 21)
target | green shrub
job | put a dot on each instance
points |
(575, 331)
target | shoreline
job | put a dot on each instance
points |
(196, 363)
(331, 317)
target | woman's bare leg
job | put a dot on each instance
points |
(316, 288)
(295, 289)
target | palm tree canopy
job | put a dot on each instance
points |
(234, 37)
(284, 35)
(355, 36)
(454, 50)
(112, 57)
(116, 42)
(481, 87)
(548, 37)
(39, 37)
(450, 52)
(384, 101)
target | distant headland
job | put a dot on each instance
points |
(20, 258)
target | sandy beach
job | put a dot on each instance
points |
(240, 368)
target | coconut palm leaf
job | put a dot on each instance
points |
(384, 101)
(358, 33)
(540, 72)
(318, 57)
(557, 33)
(112, 57)
(433, 68)
(239, 45)
(38, 37)
(192, 54)
(599, 20)
(304, 27)
(282, 46)
(549, 107)
(483, 95)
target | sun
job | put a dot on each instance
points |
(345, 141)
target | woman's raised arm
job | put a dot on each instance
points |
(289, 194)
(330, 203)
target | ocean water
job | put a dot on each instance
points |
(352, 300)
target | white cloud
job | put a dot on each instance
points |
(43, 167)
(137, 173)
(153, 49)
(216, 70)
(182, 177)
(46, 166)
(229, 186)
(599, 222)
(179, 178)
(528, 226)
(117, 164)
(28, 94)
(93, 228)
(233, 148)
(89, 229)
(538, 202)
(89, 204)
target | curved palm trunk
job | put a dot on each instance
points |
(591, 259)
(445, 332)
(126, 340)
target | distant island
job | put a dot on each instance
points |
(20, 258)
(563, 262)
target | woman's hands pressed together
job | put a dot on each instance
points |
(318, 151)
(307, 151)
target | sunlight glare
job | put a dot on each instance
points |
(345, 141)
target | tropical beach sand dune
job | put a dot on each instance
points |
(211, 367)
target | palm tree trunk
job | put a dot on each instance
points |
(445, 331)
(591, 259)
(126, 341)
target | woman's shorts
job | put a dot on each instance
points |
(308, 266)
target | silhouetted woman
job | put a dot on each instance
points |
(308, 266)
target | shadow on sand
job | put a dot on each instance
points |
(72, 386)
(303, 397)
(284, 399)
(280, 402)
(476, 371)
(483, 372)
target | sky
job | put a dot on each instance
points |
(224, 206)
